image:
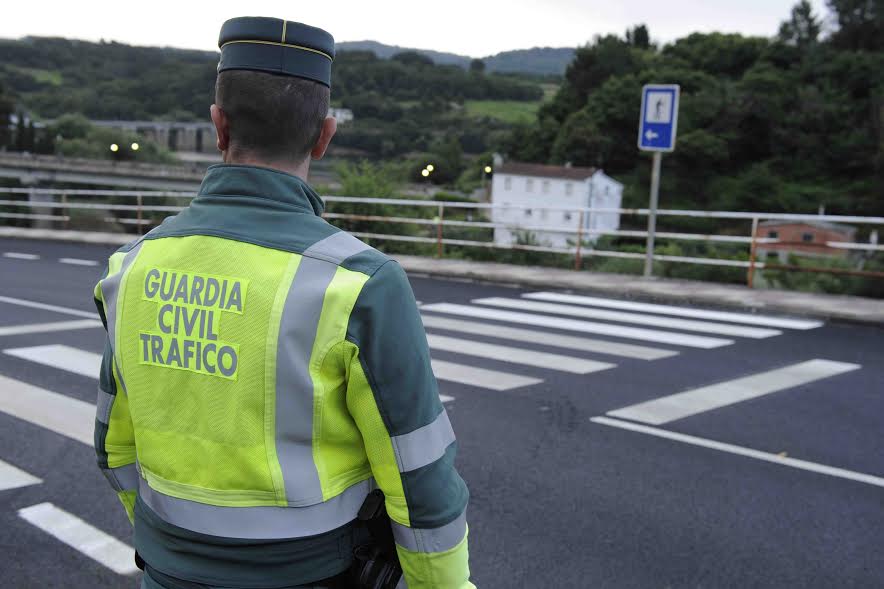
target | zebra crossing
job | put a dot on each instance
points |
(535, 335)
(556, 317)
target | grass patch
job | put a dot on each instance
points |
(50, 77)
(509, 111)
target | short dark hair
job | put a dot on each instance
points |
(271, 115)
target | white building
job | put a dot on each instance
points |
(343, 115)
(522, 193)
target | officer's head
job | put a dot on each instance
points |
(272, 92)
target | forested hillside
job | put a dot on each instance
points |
(51, 77)
(538, 61)
(782, 124)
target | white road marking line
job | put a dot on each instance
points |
(78, 262)
(680, 405)
(49, 327)
(548, 339)
(480, 377)
(742, 451)
(638, 318)
(13, 478)
(749, 319)
(650, 335)
(20, 256)
(45, 307)
(516, 355)
(64, 415)
(446, 398)
(82, 537)
(60, 356)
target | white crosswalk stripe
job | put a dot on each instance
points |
(480, 377)
(60, 356)
(64, 415)
(86, 539)
(680, 405)
(516, 355)
(550, 322)
(557, 340)
(12, 477)
(78, 262)
(49, 327)
(636, 318)
(728, 317)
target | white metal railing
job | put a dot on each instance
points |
(46, 204)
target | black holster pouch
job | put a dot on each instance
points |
(376, 565)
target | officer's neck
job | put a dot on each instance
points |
(299, 169)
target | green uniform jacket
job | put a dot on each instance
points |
(263, 372)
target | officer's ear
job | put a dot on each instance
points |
(222, 127)
(329, 127)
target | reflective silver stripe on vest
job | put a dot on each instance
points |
(123, 478)
(336, 248)
(110, 290)
(424, 445)
(257, 523)
(103, 406)
(431, 539)
(294, 385)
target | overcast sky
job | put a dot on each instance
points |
(475, 27)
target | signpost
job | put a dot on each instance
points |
(656, 133)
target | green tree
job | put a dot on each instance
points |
(860, 24)
(803, 27)
(6, 110)
(639, 37)
(477, 66)
(21, 133)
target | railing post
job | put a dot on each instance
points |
(577, 260)
(439, 231)
(750, 278)
(140, 229)
(64, 210)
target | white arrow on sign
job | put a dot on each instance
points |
(650, 135)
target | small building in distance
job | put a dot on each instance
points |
(343, 115)
(808, 238)
(522, 194)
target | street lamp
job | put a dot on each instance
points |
(487, 169)
(425, 172)
(430, 167)
(135, 147)
(114, 147)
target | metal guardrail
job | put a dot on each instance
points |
(47, 211)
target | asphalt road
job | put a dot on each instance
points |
(775, 481)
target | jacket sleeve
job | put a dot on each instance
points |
(114, 433)
(394, 399)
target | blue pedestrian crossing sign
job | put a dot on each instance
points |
(659, 117)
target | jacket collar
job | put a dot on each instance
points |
(254, 181)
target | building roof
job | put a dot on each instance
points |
(544, 171)
(847, 229)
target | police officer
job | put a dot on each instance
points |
(265, 371)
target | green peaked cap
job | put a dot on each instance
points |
(276, 46)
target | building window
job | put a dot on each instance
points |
(545, 187)
(507, 183)
(773, 234)
(569, 188)
(543, 214)
(807, 237)
(567, 216)
(529, 213)
(529, 185)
